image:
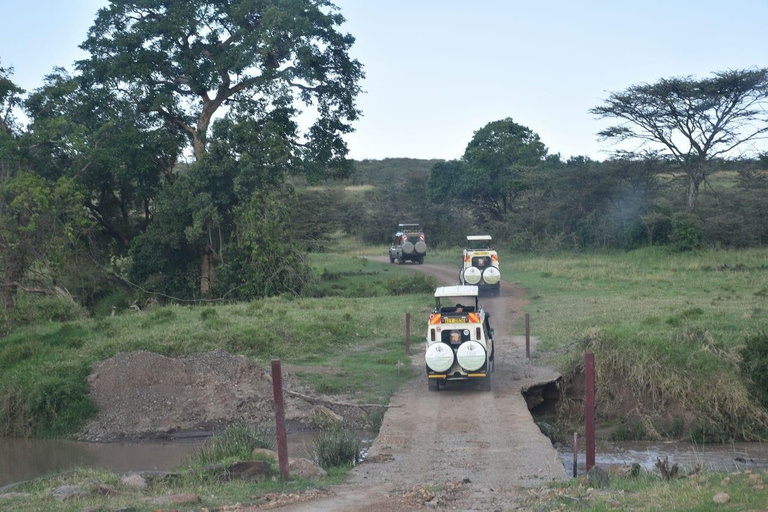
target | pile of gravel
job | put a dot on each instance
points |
(147, 395)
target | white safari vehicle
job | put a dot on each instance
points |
(480, 265)
(459, 339)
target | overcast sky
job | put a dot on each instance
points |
(438, 70)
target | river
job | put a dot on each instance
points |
(25, 459)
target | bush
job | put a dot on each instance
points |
(754, 365)
(335, 448)
(237, 441)
(686, 232)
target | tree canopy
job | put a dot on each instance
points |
(693, 120)
(187, 60)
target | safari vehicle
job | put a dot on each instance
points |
(459, 339)
(408, 244)
(480, 265)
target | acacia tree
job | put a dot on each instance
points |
(188, 61)
(695, 121)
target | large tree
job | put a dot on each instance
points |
(187, 60)
(693, 120)
(490, 175)
(118, 156)
(257, 62)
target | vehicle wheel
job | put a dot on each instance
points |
(391, 259)
(433, 385)
(486, 384)
(401, 260)
(421, 260)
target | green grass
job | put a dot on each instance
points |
(666, 328)
(45, 366)
(648, 491)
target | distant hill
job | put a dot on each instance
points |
(389, 170)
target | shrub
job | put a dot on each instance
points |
(335, 448)
(237, 441)
(754, 365)
(686, 232)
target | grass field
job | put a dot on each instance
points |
(667, 329)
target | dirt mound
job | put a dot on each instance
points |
(147, 395)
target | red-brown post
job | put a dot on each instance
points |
(589, 408)
(282, 443)
(527, 336)
(408, 334)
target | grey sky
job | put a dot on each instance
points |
(438, 70)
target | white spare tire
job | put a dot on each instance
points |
(421, 247)
(471, 356)
(472, 275)
(439, 357)
(491, 275)
(408, 248)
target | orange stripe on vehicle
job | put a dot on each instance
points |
(474, 318)
(466, 258)
(434, 318)
(495, 257)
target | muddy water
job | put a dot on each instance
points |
(24, 459)
(716, 457)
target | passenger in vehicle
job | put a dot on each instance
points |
(459, 308)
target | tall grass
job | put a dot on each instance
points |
(666, 328)
(237, 441)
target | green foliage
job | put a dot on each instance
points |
(686, 232)
(335, 448)
(754, 365)
(704, 432)
(53, 404)
(236, 442)
(634, 431)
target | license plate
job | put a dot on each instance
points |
(455, 320)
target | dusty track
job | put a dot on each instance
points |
(476, 450)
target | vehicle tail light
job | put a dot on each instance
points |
(432, 334)
(477, 334)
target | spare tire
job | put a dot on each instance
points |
(421, 247)
(408, 248)
(472, 275)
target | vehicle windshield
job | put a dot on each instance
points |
(477, 245)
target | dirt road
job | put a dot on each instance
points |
(459, 447)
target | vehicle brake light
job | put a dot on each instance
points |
(432, 334)
(477, 331)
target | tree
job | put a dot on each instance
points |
(493, 164)
(694, 121)
(256, 61)
(186, 60)
(119, 157)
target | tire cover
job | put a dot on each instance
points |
(408, 248)
(491, 275)
(421, 247)
(471, 356)
(439, 357)
(472, 275)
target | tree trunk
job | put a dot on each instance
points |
(696, 175)
(207, 274)
(9, 292)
